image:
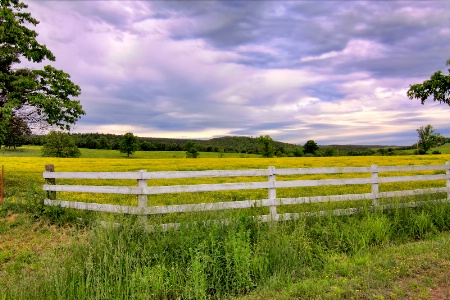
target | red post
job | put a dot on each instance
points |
(2, 184)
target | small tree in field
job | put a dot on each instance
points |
(191, 150)
(310, 147)
(60, 144)
(266, 146)
(129, 144)
(428, 139)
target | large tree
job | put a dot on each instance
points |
(437, 86)
(34, 95)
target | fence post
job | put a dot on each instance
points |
(447, 172)
(142, 183)
(50, 194)
(375, 187)
(272, 193)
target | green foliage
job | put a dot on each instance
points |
(129, 144)
(298, 152)
(428, 139)
(310, 147)
(384, 151)
(16, 132)
(191, 150)
(242, 257)
(40, 95)
(437, 86)
(329, 152)
(266, 148)
(103, 143)
(226, 144)
(59, 144)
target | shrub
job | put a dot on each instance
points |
(59, 144)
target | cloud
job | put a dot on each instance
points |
(354, 51)
(296, 70)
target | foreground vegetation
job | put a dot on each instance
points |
(386, 254)
(49, 253)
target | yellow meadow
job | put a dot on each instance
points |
(25, 173)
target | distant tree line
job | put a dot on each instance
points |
(235, 144)
(263, 145)
(229, 144)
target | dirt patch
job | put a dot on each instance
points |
(440, 293)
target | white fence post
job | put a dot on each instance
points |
(272, 193)
(447, 172)
(142, 183)
(375, 187)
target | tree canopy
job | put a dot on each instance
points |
(191, 150)
(437, 86)
(16, 132)
(428, 139)
(310, 147)
(129, 144)
(60, 144)
(266, 146)
(38, 96)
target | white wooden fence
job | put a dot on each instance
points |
(142, 190)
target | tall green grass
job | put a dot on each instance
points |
(220, 261)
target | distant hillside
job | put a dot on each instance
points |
(242, 143)
(239, 144)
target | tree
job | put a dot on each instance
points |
(37, 96)
(297, 152)
(437, 86)
(329, 152)
(310, 147)
(266, 146)
(146, 146)
(91, 142)
(60, 144)
(103, 143)
(129, 144)
(17, 131)
(191, 150)
(428, 139)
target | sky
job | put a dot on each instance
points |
(336, 72)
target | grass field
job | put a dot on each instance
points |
(35, 151)
(47, 253)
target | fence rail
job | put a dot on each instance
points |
(142, 190)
